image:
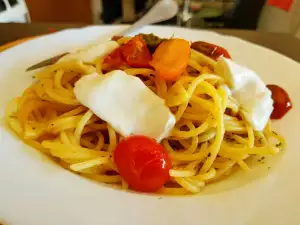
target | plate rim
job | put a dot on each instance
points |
(174, 199)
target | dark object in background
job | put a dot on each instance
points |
(2, 6)
(12, 2)
(112, 9)
(246, 14)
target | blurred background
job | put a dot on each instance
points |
(265, 15)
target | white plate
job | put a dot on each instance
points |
(35, 191)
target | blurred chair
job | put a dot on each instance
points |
(14, 11)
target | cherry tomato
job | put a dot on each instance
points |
(114, 60)
(210, 50)
(171, 58)
(282, 102)
(143, 163)
(136, 52)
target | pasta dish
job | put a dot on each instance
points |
(150, 114)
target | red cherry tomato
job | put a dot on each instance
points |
(114, 60)
(136, 52)
(143, 163)
(210, 50)
(282, 102)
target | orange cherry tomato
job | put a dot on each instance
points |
(143, 163)
(171, 58)
(211, 50)
(136, 52)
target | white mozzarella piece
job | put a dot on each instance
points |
(227, 89)
(249, 90)
(239, 77)
(126, 103)
(257, 111)
(91, 53)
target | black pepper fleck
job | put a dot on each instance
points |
(278, 145)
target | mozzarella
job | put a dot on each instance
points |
(227, 89)
(249, 90)
(258, 110)
(126, 103)
(239, 77)
(91, 53)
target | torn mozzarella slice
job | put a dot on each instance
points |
(126, 103)
(249, 90)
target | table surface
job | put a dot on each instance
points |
(283, 43)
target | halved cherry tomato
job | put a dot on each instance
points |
(136, 52)
(282, 102)
(143, 163)
(210, 50)
(171, 58)
(114, 60)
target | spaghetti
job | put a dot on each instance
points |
(209, 139)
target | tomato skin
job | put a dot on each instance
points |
(211, 50)
(136, 52)
(170, 59)
(114, 60)
(282, 102)
(143, 163)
